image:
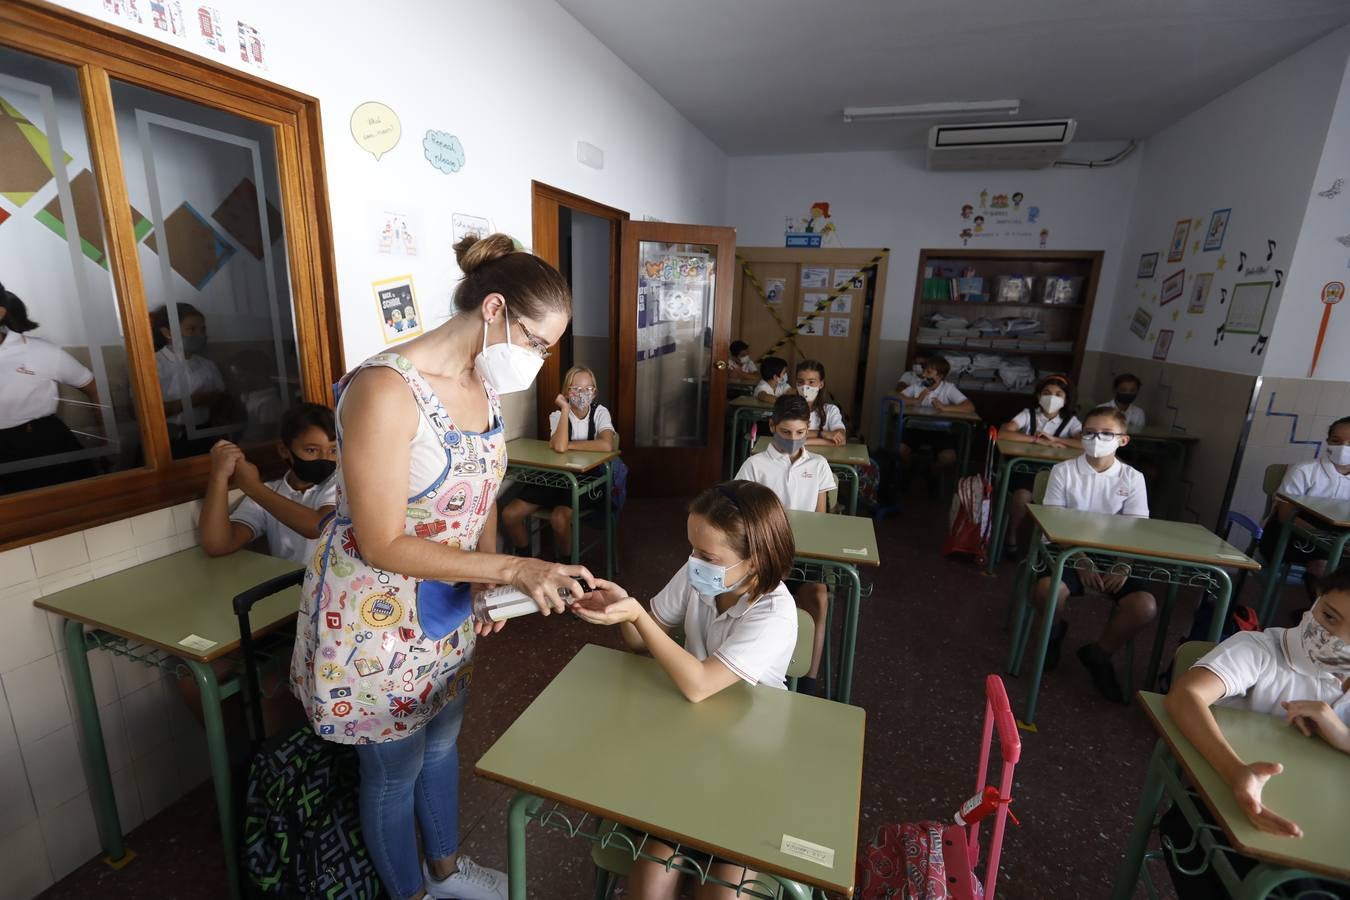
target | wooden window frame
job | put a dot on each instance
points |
(100, 52)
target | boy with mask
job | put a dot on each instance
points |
(1125, 398)
(743, 366)
(287, 511)
(1098, 482)
(1327, 476)
(802, 481)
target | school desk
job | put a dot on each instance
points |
(1312, 768)
(1017, 457)
(829, 550)
(744, 411)
(146, 613)
(925, 418)
(530, 461)
(1175, 554)
(1331, 529)
(612, 738)
(1175, 447)
(846, 461)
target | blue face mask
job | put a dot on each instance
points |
(788, 445)
(709, 579)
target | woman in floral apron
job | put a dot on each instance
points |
(383, 656)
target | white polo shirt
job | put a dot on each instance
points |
(764, 388)
(1134, 415)
(30, 370)
(943, 392)
(577, 427)
(1046, 425)
(753, 640)
(1318, 478)
(1120, 490)
(797, 484)
(749, 367)
(180, 378)
(1258, 670)
(834, 419)
(282, 541)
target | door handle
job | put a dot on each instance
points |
(721, 364)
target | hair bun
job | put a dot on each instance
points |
(474, 252)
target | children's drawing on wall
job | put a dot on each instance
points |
(1333, 292)
(1173, 286)
(1000, 214)
(967, 234)
(811, 326)
(967, 211)
(443, 150)
(815, 302)
(252, 48)
(124, 8)
(209, 27)
(1218, 227)
(1333, 191)
(464, 225)
(979, 224)
(773, 289)
(1200, 293)
(1180, 232)
(1045, 236)
(397, 234)
(817, 229)
(1033, 214)
(1140, 323)
(849, 279)
(843, 304)
(1163, 344)
(167, 15)
(1148, 266)
(838, 327)
(397, 305)
(375, 128)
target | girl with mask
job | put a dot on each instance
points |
(739, 621)
(826, 425)
(1051, 422)
(1300, 673)
(189, 382)
(422, 454)
(588, 427)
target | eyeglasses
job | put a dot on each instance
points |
(1101, 434)
(535, 343)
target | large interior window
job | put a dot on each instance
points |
(165, 253)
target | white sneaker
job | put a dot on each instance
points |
(471, 882)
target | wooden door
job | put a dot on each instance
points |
(674, 332)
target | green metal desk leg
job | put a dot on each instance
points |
(1337, 550)
(1022, 588)
(220, 768)
(516, 819)
(826, 671)
(609, 521)
(849, 474)
(851, 612)
(1160, 640)
(93, 751)
(1273, 569)
(576, 518)
(1000, 509)
(1143, 825)
(794, 891)
(1043, 641)
(1220, 604)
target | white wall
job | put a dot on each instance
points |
(889, 199)
(1254, 150)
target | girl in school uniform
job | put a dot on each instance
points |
(189, 382)
(588, 427)
(739, 620)
(826, 425)
(31, 371)
(1051, 422)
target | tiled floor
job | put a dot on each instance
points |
(931, 630)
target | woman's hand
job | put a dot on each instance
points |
(1315, 717)
(1247, 784)
(599, 609)
(485, 628)
(543, 581)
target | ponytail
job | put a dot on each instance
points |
(16, 314)
(755, 527)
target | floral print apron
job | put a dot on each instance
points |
(362, 666)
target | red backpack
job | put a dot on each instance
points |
(907, 862)
(968, 522)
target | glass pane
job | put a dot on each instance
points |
(66, 405)
(674, 344)
(213, 259)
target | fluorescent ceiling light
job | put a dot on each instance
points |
(933, 110)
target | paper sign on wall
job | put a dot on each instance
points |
(849, 278)
(838, 327)
(842, 304)
(1247, 309)
(814, 327)
(814, 301)
(773, 289)
(1200, 292)
(167, 15)
(397, 234)
(1140, 323)
(252, 49)
(815, 276)
(465, 225)
(375, 128)
(210, 28)
(397, 306)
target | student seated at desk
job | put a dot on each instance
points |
(801, 480)
(1049, 423)
(1328, 477)
(934, 391)
(1125, 398)
(773, 379)
(826, 425)
(1301, 673)
(739, 621)
(915, 373)
(589, 427)
(1098, 482)
(742, 366)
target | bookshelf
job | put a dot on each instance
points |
(1054, 344)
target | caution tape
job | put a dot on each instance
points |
(790, 334)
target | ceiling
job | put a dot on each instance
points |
(773, 76)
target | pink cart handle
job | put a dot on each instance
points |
(1009, 740)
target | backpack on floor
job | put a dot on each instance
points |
(968, 521)
(906, 862)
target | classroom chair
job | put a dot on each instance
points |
(613, 854)
(1188, 654)
(1283, 571)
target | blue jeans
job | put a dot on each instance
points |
(416, 775)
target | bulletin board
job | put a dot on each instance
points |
(784, 290)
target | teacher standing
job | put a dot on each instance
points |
(383, 657)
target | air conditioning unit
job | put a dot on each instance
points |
(999, 145)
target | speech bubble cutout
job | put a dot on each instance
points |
(444, 151)
(376, 128)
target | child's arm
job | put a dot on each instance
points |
(1316, 717)
(608, 440)
(560, 439)
(295, 516)
(218, 535)
(1189, 704)
(1011, 431)
(965, 405)
(765, 396)
(822, 501)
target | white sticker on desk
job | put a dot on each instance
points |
(196, 642)
(1230, 556)
(794, 846)
(851, 551)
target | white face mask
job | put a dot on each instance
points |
(1100, 446)
(808, 392)
(1051, 403)
(918, 368)
(507, 367)
(1339, 454)
(1320, 647)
